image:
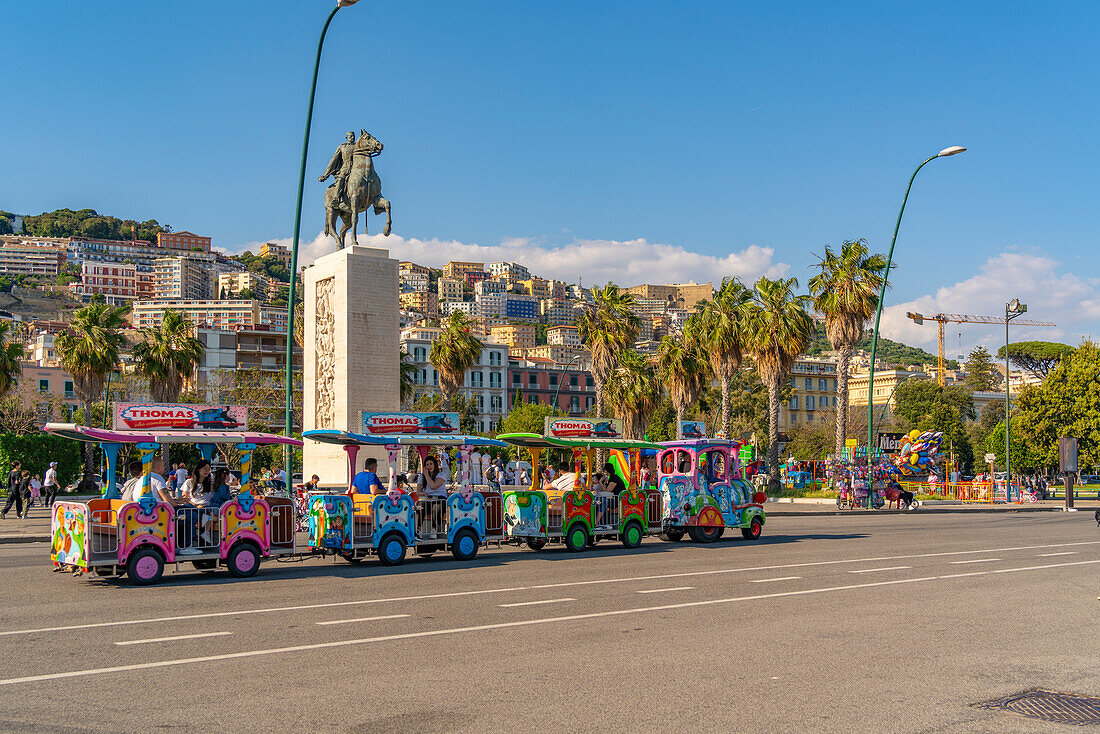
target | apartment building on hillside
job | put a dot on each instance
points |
(26, 255)
(182, 278)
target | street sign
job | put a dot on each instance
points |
(1067, 455)
(990, 458)
(179, 416)
(890, 443)
(851, 443)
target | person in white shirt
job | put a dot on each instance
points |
(50, 485)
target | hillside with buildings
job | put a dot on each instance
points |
(527, 323)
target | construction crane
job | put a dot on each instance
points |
(960, 318)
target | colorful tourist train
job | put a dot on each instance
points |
(694, 488)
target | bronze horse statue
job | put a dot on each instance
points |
(364, 189)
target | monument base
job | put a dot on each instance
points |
(350, 360)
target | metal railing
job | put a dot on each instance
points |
(654, 508)
(606, 511)
(494, 513)
(362, 523)
(198, 528)
(988, 492)
(555, 516)
(432, 518)
(283, 521)
(104, 539)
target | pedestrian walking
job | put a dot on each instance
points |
(14, 496)
(50, 485)
(25, 491)
(36, 491)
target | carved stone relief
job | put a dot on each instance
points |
(325, 382)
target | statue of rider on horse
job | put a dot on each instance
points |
(356, 186)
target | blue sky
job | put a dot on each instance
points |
(632, 141)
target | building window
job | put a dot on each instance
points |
(476, 379)
(43, 385)
(794, 382)
(588, 402)
(588, 381)
(494, 359)
(809, 402)
(70, 390)
(572, 380)
(553, 380)
(822, 385)
(532, 380)
(494, 379)
(574, 404)
(793, 405)
(532, 398)
(516, 378)
(809, 383)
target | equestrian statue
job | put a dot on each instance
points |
(356, 186)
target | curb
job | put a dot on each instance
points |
(25, 539)
(922, 510)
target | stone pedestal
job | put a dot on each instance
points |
(350, 360)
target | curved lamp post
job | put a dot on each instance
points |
(289, 427)
(946, 152)
(564, 370)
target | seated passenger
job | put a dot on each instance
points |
(367, 481)
(157, 486)
(431, 485)
(564, 480)
(221, 493)
(198, 485)
(132, 484)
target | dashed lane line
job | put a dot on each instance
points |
(520, 623)
(173, 639)
(534, 587)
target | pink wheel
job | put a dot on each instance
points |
(243, 560)
(145, 566)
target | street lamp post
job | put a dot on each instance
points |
(1012, 309)
(946, 152)
(289, 427)
(564, 370)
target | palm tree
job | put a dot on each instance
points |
(683, 368)
(722, 331)
(10, 358)
(89, 351)
(634, 390)
(607, 329)
(168, 355)
(408, 371)
(778, 330)
(845, 292)
(454, 352)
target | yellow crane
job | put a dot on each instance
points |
(960, 318)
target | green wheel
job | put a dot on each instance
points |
(632, 535)
(577, 537)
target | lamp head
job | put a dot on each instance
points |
(345, 3)
(1014, 305)
(953, 150)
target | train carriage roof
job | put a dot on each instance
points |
(535, 440)
(348, 438)
(89, 433)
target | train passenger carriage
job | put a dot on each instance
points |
(354, 525)
(113, 537)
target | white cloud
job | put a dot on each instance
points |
(1052, 294)
(594, 261)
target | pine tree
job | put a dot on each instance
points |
(979, 370)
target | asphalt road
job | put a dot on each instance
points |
(864, 623)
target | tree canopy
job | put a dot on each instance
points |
(1038, 358)
(979, 370)
(89, 223)
(268, 265)
(1067, 403)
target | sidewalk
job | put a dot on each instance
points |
(809, 507)
(36, 528)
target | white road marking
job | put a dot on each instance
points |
(974, 560)
(780, 578)
(658, 591)
(1063, 553)
(533, 603)
(170, 639)
(475, 592)
(886, 568)
(520, 623)
(363, 619)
